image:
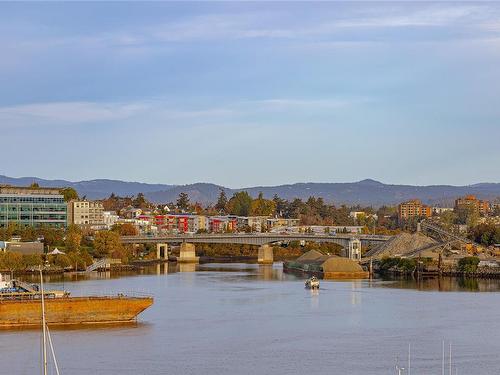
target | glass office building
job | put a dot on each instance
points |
(32, 207)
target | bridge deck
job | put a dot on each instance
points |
(254, 239)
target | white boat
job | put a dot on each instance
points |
(312, 283)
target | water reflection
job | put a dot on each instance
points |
(275, 273)
(242, 319)
(442, 284)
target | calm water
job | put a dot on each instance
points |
(246, 319)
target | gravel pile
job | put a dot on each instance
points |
(401, 244)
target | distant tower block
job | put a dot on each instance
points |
(187, 253)
(354, 249)
(161, 251)
(265, 255)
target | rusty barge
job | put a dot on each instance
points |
(20, 306)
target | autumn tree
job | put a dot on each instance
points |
(73, 238)
(107, 243)
(125, 229)
(11, 261)
(262, 207)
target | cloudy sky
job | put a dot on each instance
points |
(251, 93)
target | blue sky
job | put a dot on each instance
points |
(256, 93)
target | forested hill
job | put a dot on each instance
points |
(366, 192)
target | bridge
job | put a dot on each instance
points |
(187, 241)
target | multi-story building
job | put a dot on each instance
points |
(281, 222)
(255, 223)
(110, 218)
(27, 206)
(86, 213)
(218, 224)
(413, 208)
(471, 202)
(180, 223)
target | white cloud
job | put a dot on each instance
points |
(157, 111)
(273, 25)
(69, 112)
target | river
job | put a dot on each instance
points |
(248, 319)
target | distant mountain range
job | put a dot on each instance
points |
(365, 192)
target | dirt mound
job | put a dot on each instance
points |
(337, 264)
(401, 244)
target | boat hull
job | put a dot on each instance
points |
(72, 310)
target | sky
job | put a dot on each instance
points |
(251, 93)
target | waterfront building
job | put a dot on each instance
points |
(86, 213)
(32, 206)
(471, 202)
(413, 208)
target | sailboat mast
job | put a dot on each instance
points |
(442, 360)
(450, 359)
(409, 359)
(44, 327)
(52, 351)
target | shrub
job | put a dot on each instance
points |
(468, 264)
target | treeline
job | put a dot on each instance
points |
(79, 245)
(485, 234)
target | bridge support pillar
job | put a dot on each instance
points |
(187, 253)
(354, 249)
(161, 251)
(265, 255)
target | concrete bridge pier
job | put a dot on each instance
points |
(161, 251)
(187, 253)
(265, 255)
(354, 249)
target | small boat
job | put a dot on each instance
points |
(312, 283)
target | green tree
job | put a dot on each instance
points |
(69, 194)
(468, 264)
(281, 205)
(221, 201)
(447, 218)
(52, 236)
(140, 201)
(240, 204)
(183, 201)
